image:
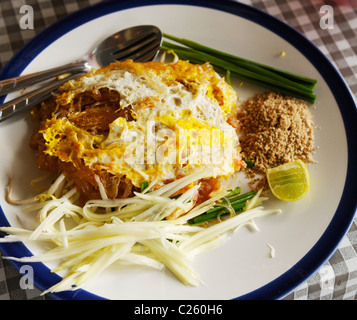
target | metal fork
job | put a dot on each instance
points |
(139, 43)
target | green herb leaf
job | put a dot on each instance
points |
(250, 163)
(144, 185)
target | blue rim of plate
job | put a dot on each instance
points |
(343, 217)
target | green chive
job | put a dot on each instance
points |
(271, 78)
(236, 201)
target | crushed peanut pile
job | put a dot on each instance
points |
(275, 130)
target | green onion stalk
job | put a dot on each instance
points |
(259, 74)
(233, 201)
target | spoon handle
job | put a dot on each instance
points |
(16, 83)
(26, 101)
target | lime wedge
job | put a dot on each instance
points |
(289, 181)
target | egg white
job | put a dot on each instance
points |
(180, 126)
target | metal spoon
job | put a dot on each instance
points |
(139, 43)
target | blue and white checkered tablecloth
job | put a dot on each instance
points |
(337, 278)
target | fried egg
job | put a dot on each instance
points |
(178, 122)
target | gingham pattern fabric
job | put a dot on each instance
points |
(337, 278)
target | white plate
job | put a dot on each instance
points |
(304, 235)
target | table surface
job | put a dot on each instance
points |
(337, 278)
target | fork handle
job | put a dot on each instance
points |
(30, 99)
(16, 83)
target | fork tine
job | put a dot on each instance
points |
(138, 50)
(140, 37)
(128, 43)
(144, 55)
(137, 45)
